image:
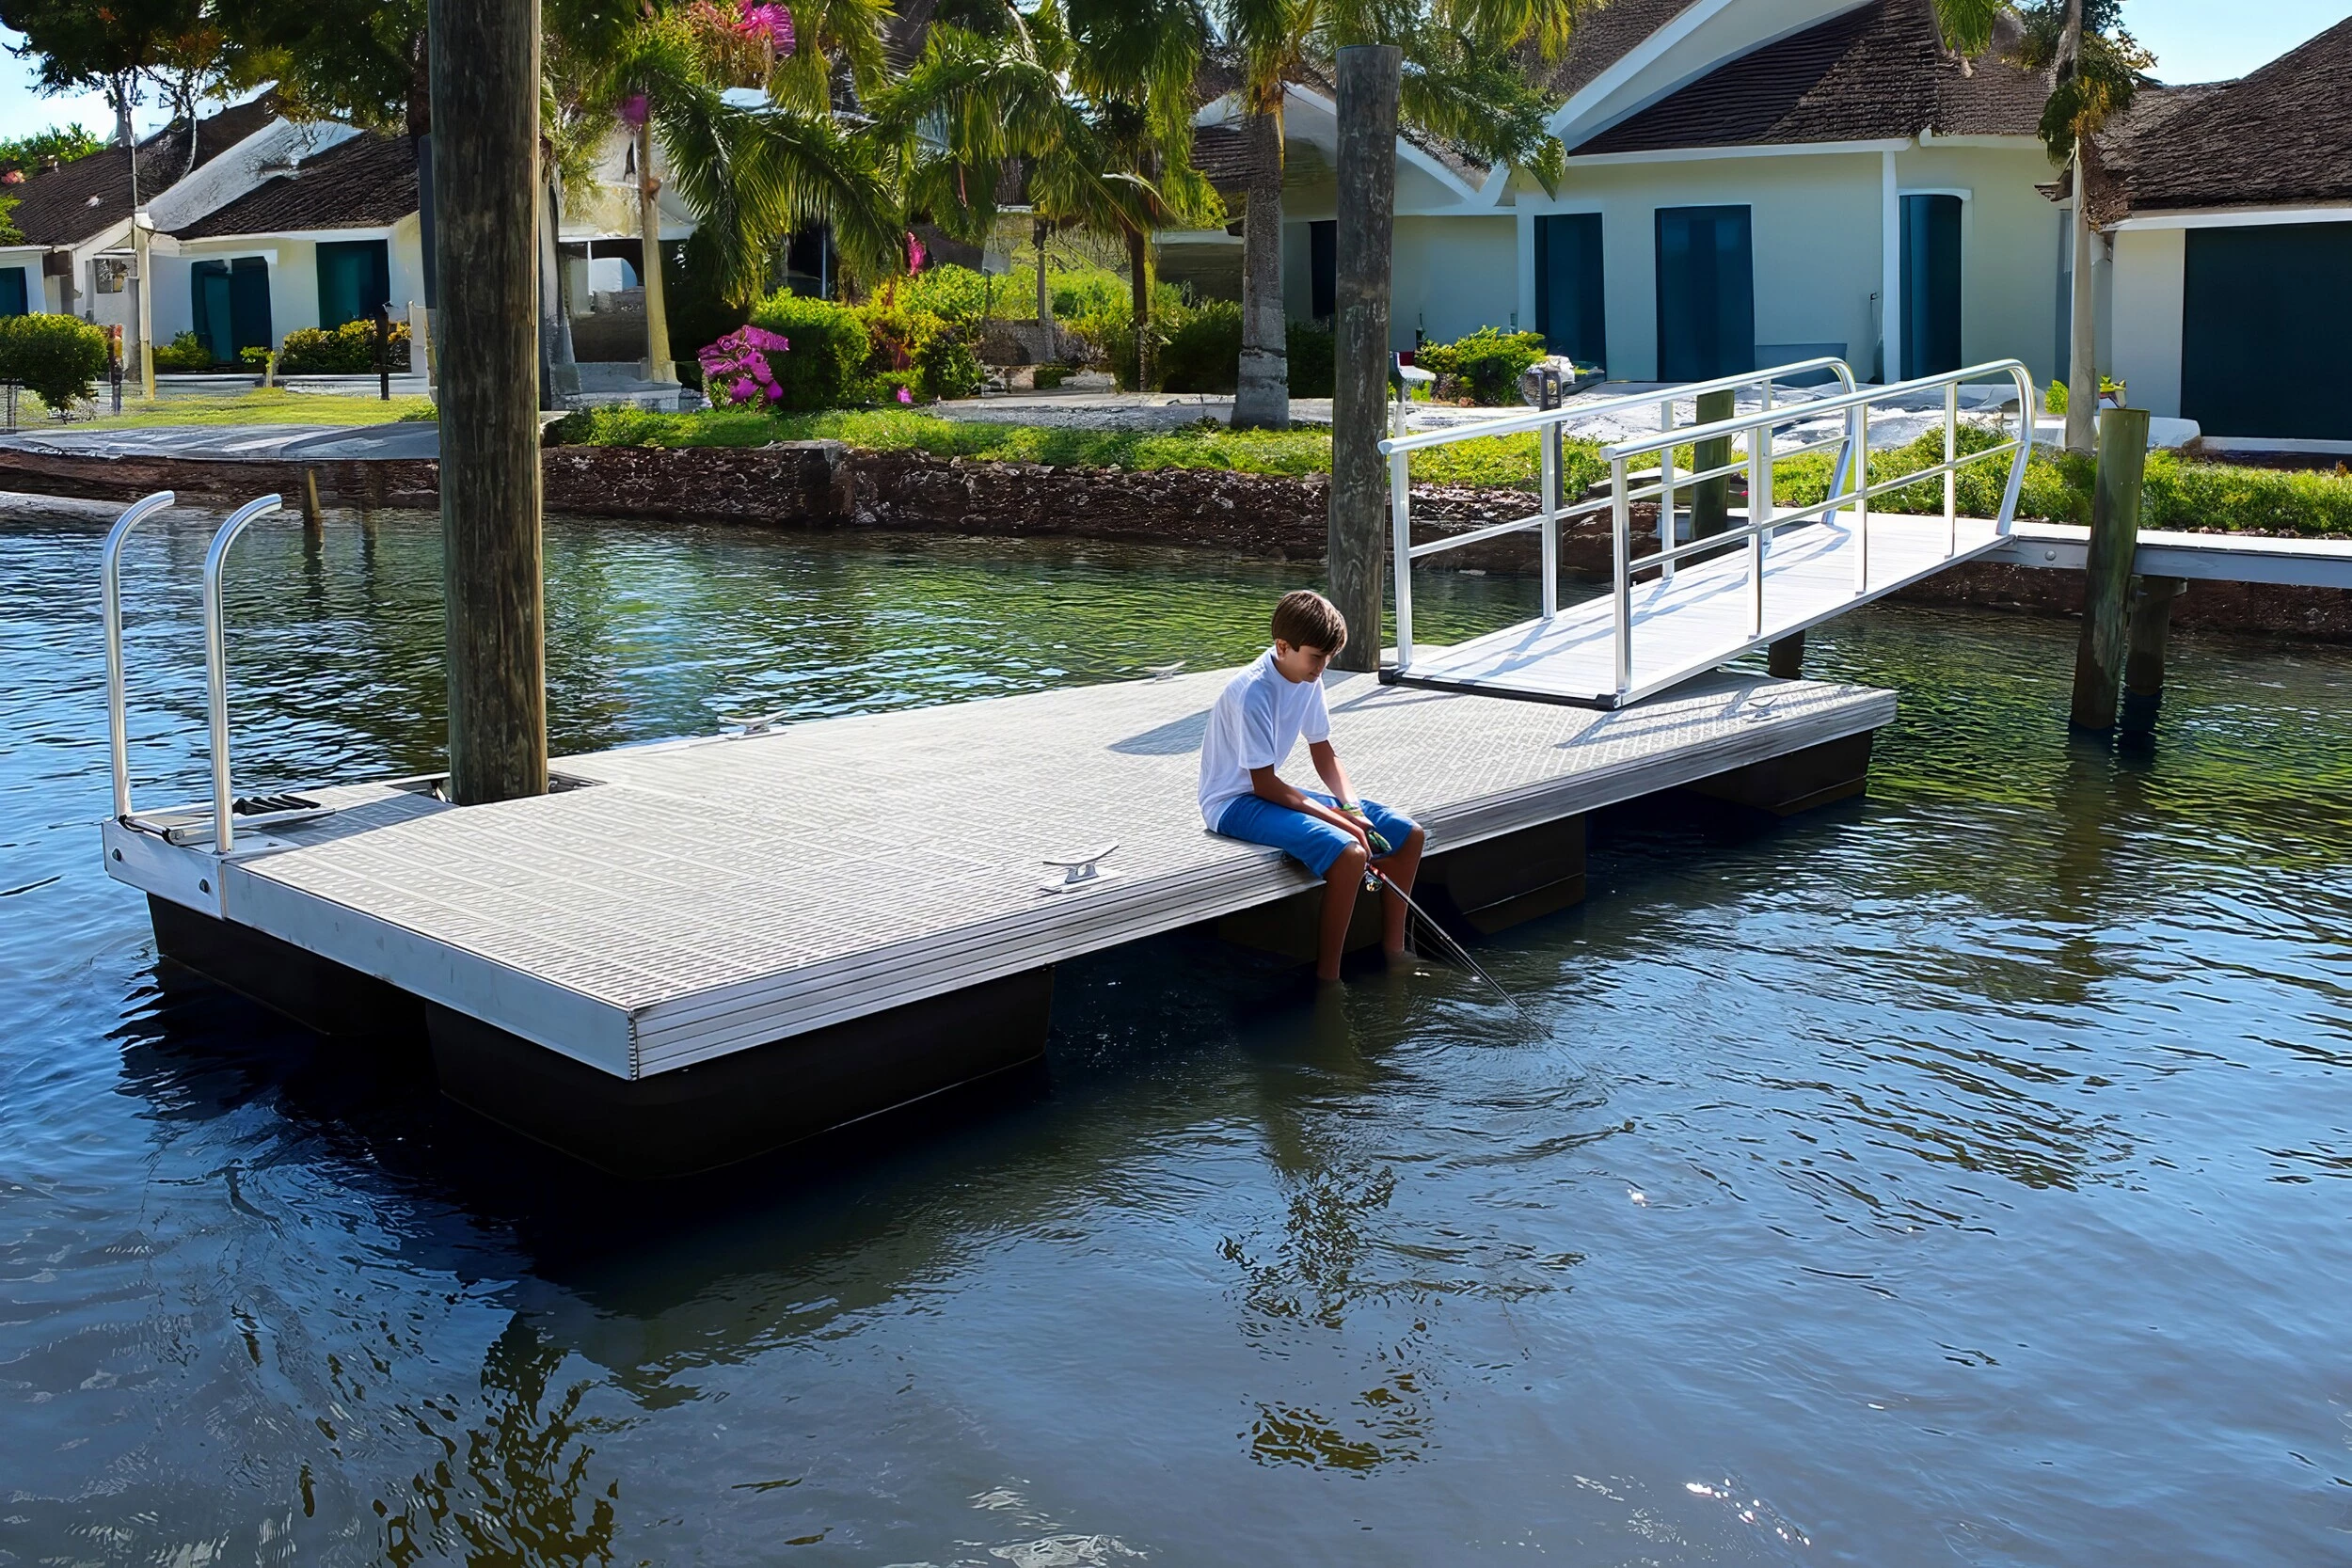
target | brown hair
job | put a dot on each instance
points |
(1305, 619)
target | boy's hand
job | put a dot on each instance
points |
(1373, 843)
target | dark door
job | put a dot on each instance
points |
(208, 301)
(12, 291)
(2264, 335)
(1706, 293)
(1569, 302)
(1322, 269)
(248, 304)
(355, 277)
(1930, 260)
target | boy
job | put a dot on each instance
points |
(1258, 719)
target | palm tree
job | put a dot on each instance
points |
(1096, 112)
(748, 175)
(2095, 68)
(1464, 81)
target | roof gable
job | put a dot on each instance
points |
(83, 199)
(1876, 72)
(366, 182)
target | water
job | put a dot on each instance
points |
(1960, 1176)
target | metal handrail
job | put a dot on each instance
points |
(1400, 444)
(1849, 485)
(118, 724)
(217, 665)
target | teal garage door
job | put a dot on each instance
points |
(2264, 335)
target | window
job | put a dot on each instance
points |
(1569, 297)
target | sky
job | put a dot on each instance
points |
(2195, 40)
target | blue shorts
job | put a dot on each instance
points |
(1309, 840)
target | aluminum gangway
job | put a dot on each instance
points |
(1679, 606)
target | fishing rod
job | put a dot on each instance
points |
(1376, 878)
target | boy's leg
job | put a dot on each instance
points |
(1322, 849)
(1398, 868)
(1340, 884)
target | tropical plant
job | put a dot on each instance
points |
(187, 352)
(346, 350)
(1091, 103)
(59, 357)
(740, 368)
(1488, 362)
(830, 345)
(64, 143)
(1465, 82)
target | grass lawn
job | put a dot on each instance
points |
(271, 405)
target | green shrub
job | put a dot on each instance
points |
(346, 350)
(2054, 399)
(964, 298)
(696, 311)
(1201, 352)
(1488, 362)
(60, 359)
(830, 346)
(1051, 376)
(188, 352)
(946, 367)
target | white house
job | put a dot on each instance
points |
(2229, 218)
(1748, 181)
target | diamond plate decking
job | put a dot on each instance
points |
(702, 896)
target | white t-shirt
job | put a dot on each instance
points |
(1258, 717)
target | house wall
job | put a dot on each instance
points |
(1818, 230)
(293, 275)
(2145, 342)
(38, 291)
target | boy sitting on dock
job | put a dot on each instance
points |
(1257, 720)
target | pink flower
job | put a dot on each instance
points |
(771, 22)
(633, 110)
(905, 396)
(742, 388)
(774, 391)
(14, 177)
(915, 253)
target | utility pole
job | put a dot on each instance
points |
(486, 181)
(1369, 74)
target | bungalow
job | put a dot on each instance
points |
(1747, 181)
(2228, 212)
(327, 234)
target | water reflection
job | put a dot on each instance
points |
(1911, 1172)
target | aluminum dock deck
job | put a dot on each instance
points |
(682, 910)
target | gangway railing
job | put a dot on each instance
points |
(1550, 426)
(1750, 437)
(187, 825)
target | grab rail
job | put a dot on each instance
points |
(117, 723)
(217, 665)
(1850, 485)
(1548, 517)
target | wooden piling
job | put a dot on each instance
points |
(2107, 569)
(2143, 655)
(314, 522)
(1368, 78)
(1710, 498)
(1785, 657)
(485, 161)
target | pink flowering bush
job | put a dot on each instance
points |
(736, 371)
(740, 41)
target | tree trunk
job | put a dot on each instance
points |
(1045, 297)
(1139, 291)
(485, 98)
(2082, 375)
(1355, 534)
(659, 366)
(557, 371)
(1262, 399)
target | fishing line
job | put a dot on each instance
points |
(1453, 950)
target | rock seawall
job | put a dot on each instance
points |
(825, 485)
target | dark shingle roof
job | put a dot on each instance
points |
(1876, 71)
(55, 207)
(1607, 35)
(2279, 137)
(1221, 153)
(365, 183)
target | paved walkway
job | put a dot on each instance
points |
(251, 442)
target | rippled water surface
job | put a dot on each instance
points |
(1960, 1176)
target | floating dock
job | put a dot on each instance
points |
(699, 949)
